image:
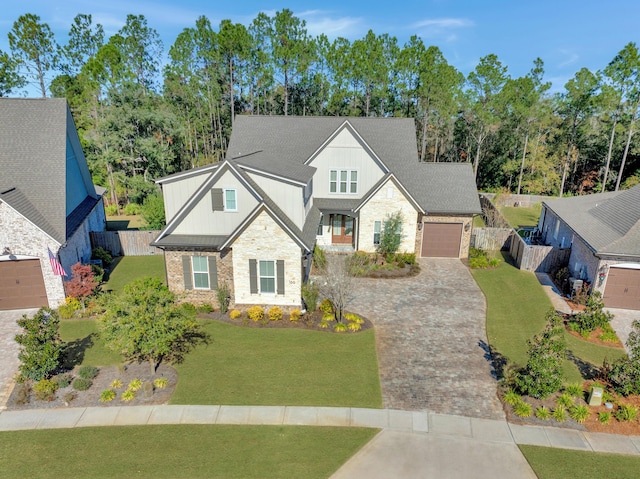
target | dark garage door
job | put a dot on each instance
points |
(441, 240)
(623, 289)
(22, 285)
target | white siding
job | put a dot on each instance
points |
(289, 198)
(387, 201)
(344, 152)
(265, 240)
(178, 192)
(202, 220)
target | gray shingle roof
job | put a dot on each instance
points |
(194, 241)
(280, 145)
(608, 222)
(33, 148)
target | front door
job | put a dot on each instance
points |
(341, 229)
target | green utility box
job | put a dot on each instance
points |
(595, 397)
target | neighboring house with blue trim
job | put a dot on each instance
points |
(289, 183)
(47, 201)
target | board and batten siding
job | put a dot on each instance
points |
(288, 197)
(387, 201)
(202, 220)
(176, 193)
(344, 152)
(263, 239)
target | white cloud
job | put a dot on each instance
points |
(319, 22)
(569, 58)
(441, 28)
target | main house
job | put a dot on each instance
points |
(47, 201)
(603, 232)
(290, 183)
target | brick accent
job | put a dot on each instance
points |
(175, 275)
(466, 232)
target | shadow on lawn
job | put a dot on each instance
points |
(587, 370)
(75, 351)
(497, 360)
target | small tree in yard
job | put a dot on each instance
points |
(82, 283)
(624, 374)
(144, 323)
(42, 348)
(337, 285)
(542, 376)
(391, 234)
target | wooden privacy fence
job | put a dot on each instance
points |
(541, 259)
(491, 239)
(125, 243)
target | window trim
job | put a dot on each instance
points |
(348, 182)
(261, 276)
(235, 198)
(379, 232)
(194, 272)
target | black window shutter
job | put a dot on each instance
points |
(253, 276)
(280, 275)
(186, 272)
(217, 201)
(213, 273)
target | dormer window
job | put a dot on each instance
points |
(343, 181)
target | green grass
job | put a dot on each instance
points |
(125, 269)
(185, 451)
(519, 216)
(125, 222)
(261, 366)
(281, 367)
(516, 308)
(550, 463)
(478, 222)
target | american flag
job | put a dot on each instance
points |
(57, 268)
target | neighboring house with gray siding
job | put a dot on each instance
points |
(289, 183)
(47, 201)
(603, 232)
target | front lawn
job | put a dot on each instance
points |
(125, 269)
(516, 308)
(550, 463)
(185, 451)
(520, 216)
(249, 366)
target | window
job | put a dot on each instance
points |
(200, 270)
(377, 227)
(556, 229)
(230, 203)
(320, 226)
(343, 181)
(267, 277)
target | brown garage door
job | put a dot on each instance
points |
(623, 289)
(22, 285)
(441, 240)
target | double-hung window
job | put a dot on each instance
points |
(267, 279)
(343, 181)
(377, 228)
(230, 201)
(200, 268)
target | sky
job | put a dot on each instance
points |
(566, 34)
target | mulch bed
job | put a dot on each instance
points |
(69, 397)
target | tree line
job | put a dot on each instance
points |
(140, 119)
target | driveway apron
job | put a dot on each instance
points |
(9, 350)
(431, 340)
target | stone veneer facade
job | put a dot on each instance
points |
(387, 201)
(22, 237)
(264, 239)
(465, 242)
(175, 275)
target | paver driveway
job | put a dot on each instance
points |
(9, 349)
(431, 340)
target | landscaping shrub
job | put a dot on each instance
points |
(107, 395)
(359, 263)
(88, 372)
(160, 383)
(116, 384)
(406, 258)
(542, 376)
(481, 262)
(310, 293)
(69, 308)
(391, 234)
(354, 326)
(223, 295)
(608, 335)
(579, 413)
(565, 400)
(624, 374)
(324, 324)
(326, 306)
(45, 389)
(574, 390)
(274, 313)
(626, 412)
(132, 209)
(340, 327)
(353, 318)
(41, 348)
(189, 308)
(204, 308)
(255, 313)
(559, 414)
(128, 395)
(522, 409)
(111, 210)
(103, 255)
(135, 384)
(235, 314)
(543, 413)
(63, 380)
(81, 384)
(295, 315)
(511, 397)
(604, 417)
(98, 273)
(319, 258)
(592, 317)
